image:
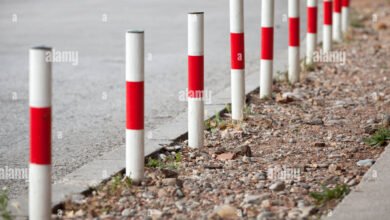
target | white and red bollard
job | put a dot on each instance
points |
(135, 141)
(344, 16)
(293, 49)
(267, 48)
(40, 133)
(195, 79)
(327, 31)
(237, 52)
(312, 15)
(337, 34)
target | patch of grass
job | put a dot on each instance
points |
(356, 20)
(327, 194)
(379, 138)
(154, 163)
(215, 123)
(309, 67)
(172, 162)
(4, 212)
(119, 181)
(228, 108)
(178, 157)
(248, 110)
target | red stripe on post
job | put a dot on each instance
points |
(267, 43)
(345, 3)
(293, 32)
(328, 13)
(195, 76)
(312, 20)
(40, 135)
(135, 105)
(237, 50)
(337, 6)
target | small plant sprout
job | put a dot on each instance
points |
(327, 194)
(4, 212)
(380, 138)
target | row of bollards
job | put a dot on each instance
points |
(41, 77)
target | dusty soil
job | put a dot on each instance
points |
(309, 136)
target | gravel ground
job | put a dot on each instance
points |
(309, 136)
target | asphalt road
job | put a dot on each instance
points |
(89, 98)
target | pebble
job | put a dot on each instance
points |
(253, 199)
(365, 163)
(128, 212)
(264, 215)
(169, 181)
(226, 212)
(278, 186)
(148, 195)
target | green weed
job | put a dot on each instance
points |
(330, 194)
(379, 138)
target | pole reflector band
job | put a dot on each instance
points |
(267, 43)
(237, 50)
(40, 135)
(312, 13)
(195, 76)
(328, 13)
(135, 105)
(294, 32)
(345, 3)
(337, 6)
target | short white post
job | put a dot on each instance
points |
(312, 13)
(135, 140)
(40, 133)
(195, 79)
(267, 48)
(237, 49)
(345, 16)
(327, 32)
(337, 34)
(293, 49)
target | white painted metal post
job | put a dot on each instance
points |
(237, 48)
(327, 32)
(267, 48)
(293, 49)
(195, 79)
(40, 133)
(312, 12)
(337, 34)
(345, 16)
(135, 141)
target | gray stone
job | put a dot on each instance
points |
(365, 163)
(278, 186)
(128, 212)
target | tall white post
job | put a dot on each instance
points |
(293, 49)
(195, 79)
(312, 13)
(40, 78)
(327, 32)
(337, 34)
(135, 66)
(267, 48)
(237, 47)
(345, 16)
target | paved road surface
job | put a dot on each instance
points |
(88, 98)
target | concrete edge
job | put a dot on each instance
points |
(364, 201)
